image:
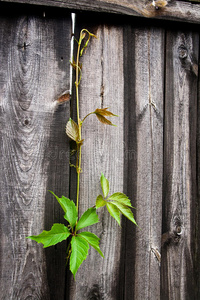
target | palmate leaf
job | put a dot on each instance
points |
(117, 203)
(88, 218)
(58, 233)
(69, 209)
(79, 252)
(92, 239)
(104, 185)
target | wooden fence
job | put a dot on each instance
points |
(146, 71)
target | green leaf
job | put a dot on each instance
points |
(104, 185)
(114, 211)
(79, 253)
(126, 211)
(89, 217)
(72, 130)
(69, 209)
(71, 214)
(120, 197)
(92, 239)
(100, 202)
(58, 233)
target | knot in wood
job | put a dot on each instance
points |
(183, 52)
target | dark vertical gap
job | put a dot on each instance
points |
(130, 161)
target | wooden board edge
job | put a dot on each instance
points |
(176, 11)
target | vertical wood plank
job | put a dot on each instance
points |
(34, 55)
(144, 84)
(102, 85)
(197, 207)
(178, 280)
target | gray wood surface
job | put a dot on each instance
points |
(175, 10)
(148, 76)
(144, 86)
(102, 85)
(179, 194)
(34, 55)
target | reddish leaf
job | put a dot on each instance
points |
(104, 112)
(101, 113)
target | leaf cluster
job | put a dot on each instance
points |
(78, 242)
(117, 203)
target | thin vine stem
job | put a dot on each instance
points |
(78, 117)
(78, 79)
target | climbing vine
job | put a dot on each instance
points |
(116, 204)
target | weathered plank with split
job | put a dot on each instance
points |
(102, 85)
(179, 193)
(144, 96)
(34, 55)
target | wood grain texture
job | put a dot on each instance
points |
(144, 83)
(179, 195)
(34, 55)
(175, 10)
(197, 212)
(102, 85)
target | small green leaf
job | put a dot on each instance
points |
(92, 239)
(126, 211)
(104, 185)
(72, 130)
(79, 252)
(58, 233)
(100, 202)
(89, 217)
(114, 211)
(120, 197)
(69, 209)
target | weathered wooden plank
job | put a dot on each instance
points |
(102, 85)
(175, 10)
(34, 55)
(197, 208)
(178, 276)
(144, 82)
